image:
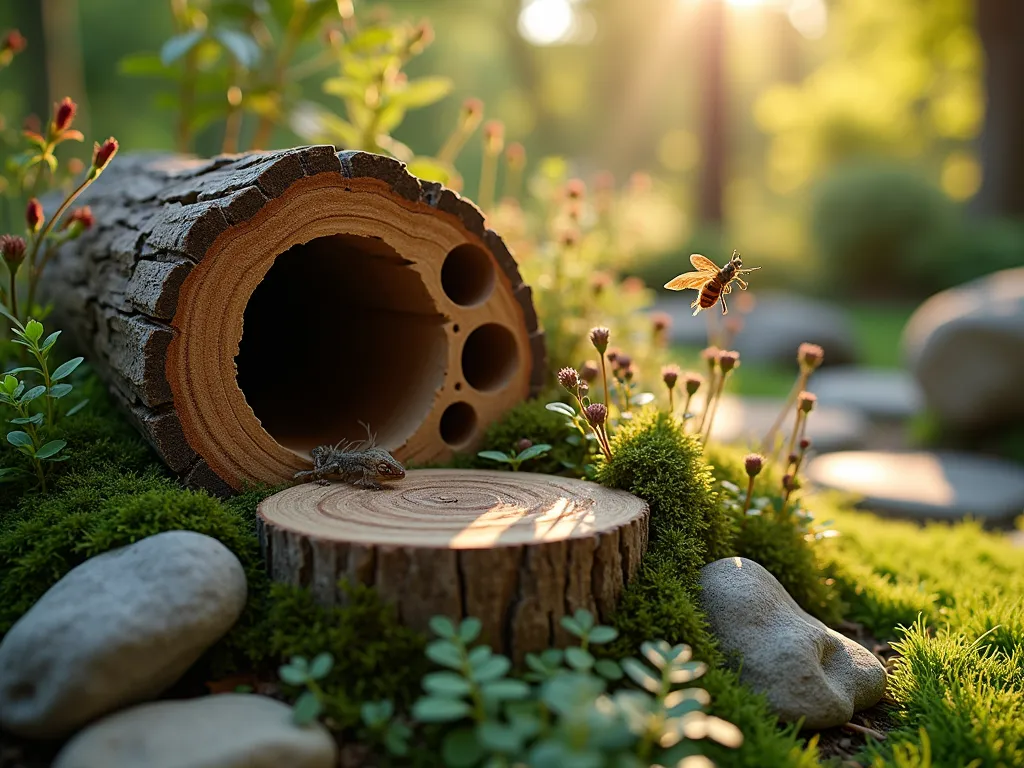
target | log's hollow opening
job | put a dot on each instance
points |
(458, 423)
(341, 330)
(489, 357)
(467, 275)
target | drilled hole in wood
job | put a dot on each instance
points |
(339, 331)
(467, 275)
(458, 423)
(489, 357)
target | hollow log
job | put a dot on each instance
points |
(247, 308)
(516, 550)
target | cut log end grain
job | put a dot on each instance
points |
(248, 308)
(516, 550)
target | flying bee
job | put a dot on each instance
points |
(711, 282)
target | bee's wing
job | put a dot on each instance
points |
(703, 263)
(689, 280)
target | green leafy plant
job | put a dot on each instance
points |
(302, 673)
(381, 726)
(515, 458)
(568, 716)
(29, 438)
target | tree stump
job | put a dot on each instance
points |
(247, 308)
(517, 550)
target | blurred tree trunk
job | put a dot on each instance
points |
(711, 71)
(64, 64)
(1001, 29)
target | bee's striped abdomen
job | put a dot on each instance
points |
(710, 293)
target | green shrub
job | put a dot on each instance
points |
(875, 226)
(977, 248)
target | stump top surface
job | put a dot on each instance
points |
(454, 509)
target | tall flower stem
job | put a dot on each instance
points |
(34, 272)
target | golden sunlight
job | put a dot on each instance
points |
(547, 22)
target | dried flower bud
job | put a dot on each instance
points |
(422, 36)
(787, 482)
(102, 155)
(599, 338)
(64, 113)
(14, 42)
(661, 321)
(693, 382)
(589, 371)
(753, 462)
(34, 215)
(575, 189)
(604, 181)
(596, 414)
(728, 360)
(12, 248)
(494, 137)
(569, 378)
(80, 220)
(471, 115)
(809, 356)
(599, 281)
(629, 372)
(806, 401)
(515, 155)
(613, 355)
(792, 459)
(523, 444)
(805, 443)
(710, 355)
(670, 375)
(570, 238)
(632, 284)
(584, 388)
(623, 360)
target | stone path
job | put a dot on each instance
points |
(746, 421)
(940, 485)
(878, 393)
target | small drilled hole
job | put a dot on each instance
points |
(489, 357)
(457, 423)
(458, 385)
(455, 328)
(467, 275)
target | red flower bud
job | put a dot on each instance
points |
(805, 443)
(12, 248)
(523, 444)
(575, 189)
(515, 154)
(753, 463)
(670, 375)
(596, 414)
(64, 113)
(728, 360)
(14, 42)
(693, 382)
(102, 154)
(34, 215)
(80, 219)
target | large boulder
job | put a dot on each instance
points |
(230, 730)
(772, 330)
(120, 628)
(965, 346)
(806, 670)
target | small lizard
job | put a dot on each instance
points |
(361, 464)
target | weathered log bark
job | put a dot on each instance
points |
(516, 550)
(249, 307)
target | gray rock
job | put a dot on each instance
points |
(943, 485)
(230, 730)
(805, 669)
(118, 629)
(965, 346)
(746, 420)
(878, 393)
(773, 329)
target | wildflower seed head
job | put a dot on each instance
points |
(570, 238)
(523, 444)
(710, 355)
(629, 372)
(793, 458)
(13, 42)
(693, 382)
(661, 322)
(34, 215)
(599, 282)
(787, 482)
(809, 356)
(596, 414)
(728, 360)
(806, 401)
(575, 189)
(12, 248)
(599, 338)
(64, 113)
(754, 463)
(494, 137)
(805, 443)
(421, 37)
(613, 355)
(589, 371)
(670, 375)
(632, 284)
(623, 361)
(80, 219)
(569, 378)
(471, 115)
(103, 153)
(515, 155)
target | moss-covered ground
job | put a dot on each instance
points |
(948, 599)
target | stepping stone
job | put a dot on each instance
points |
(944, 485)
(773, 329)
(878, 393)
(747, 420)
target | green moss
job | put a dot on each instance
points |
(654, 460)
(374, 656)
